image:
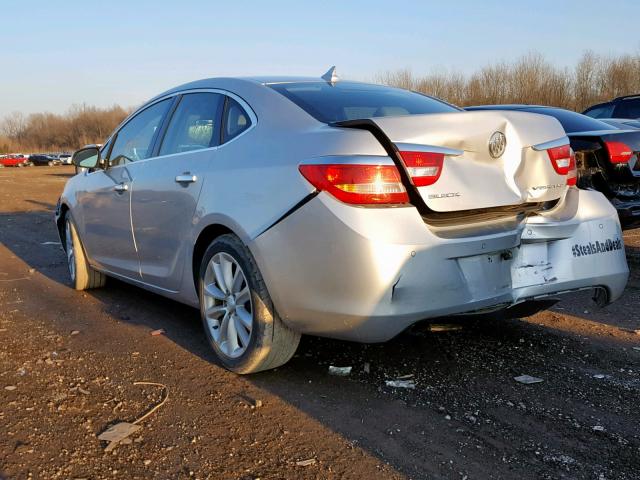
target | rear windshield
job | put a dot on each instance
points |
(573, 122)
(350, 101)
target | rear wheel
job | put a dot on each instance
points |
(239, 319)
(83, 277)
(50, 164)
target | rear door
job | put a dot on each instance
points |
(167, 191)
(105, 203)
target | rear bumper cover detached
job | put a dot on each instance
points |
(366, 274)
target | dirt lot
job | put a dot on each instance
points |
(73, 358)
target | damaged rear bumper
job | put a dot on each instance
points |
(366, 274)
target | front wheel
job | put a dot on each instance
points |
(82, 275)
(238, 316)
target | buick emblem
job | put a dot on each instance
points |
(497, 144)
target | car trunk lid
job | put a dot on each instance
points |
(471, 177)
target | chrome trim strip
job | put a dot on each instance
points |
(349, 160)
(552, 144)
(416, 147)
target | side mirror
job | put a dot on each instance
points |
(87, 157)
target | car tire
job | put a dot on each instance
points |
(239, 319)
(50, 164)
(83, 277)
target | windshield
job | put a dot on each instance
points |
(350, 100)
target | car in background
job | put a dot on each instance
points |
(15, 160)
(606, 156)
(65, 158)
(627, 106)
(283, 206)
(621, 123)
(42, 160)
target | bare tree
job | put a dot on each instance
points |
(531, 79)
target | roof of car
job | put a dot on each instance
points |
(626, 97)
(270, 79)
(507, 106)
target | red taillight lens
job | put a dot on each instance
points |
(561, 159)
(358, 184)
(619, 152)
(424, 168)
(572, 174)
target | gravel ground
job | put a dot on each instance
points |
(69, 361)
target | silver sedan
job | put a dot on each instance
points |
(289, 206)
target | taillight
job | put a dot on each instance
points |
(424, 168)
(619, 152)
(572, 174)
(358, 184)
(561, 159)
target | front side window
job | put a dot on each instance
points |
(195, 124)
(350, 100)
(134, 141)
(236, 120)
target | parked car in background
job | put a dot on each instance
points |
(65, 158)
(285, 205)
(621, 123)
(41, 160)
(14, 160)
(627, 106)
(606, 156)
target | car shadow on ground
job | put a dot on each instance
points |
(461, 397)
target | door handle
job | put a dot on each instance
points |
(121, 187)
(186, 178)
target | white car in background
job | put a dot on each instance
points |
(65, 158)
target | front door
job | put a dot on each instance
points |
(105, 204)
(166, 194)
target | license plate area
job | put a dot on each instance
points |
(487, 275)
(531, 265)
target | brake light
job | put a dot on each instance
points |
(561, 159)
(619, 152)
(358, 184)
(572, 174)
(424, 168)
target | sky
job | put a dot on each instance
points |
(54, 54)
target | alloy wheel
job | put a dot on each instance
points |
(228, 309)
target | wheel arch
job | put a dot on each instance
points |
(207, 235)
(63, 209)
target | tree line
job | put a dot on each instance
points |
(49, 132)
(530, 79)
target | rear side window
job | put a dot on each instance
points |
(573, 122)
(628, 109)
(195, 124)
(235, 121)
(349, 100)
(603, 111)
(134, 141)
